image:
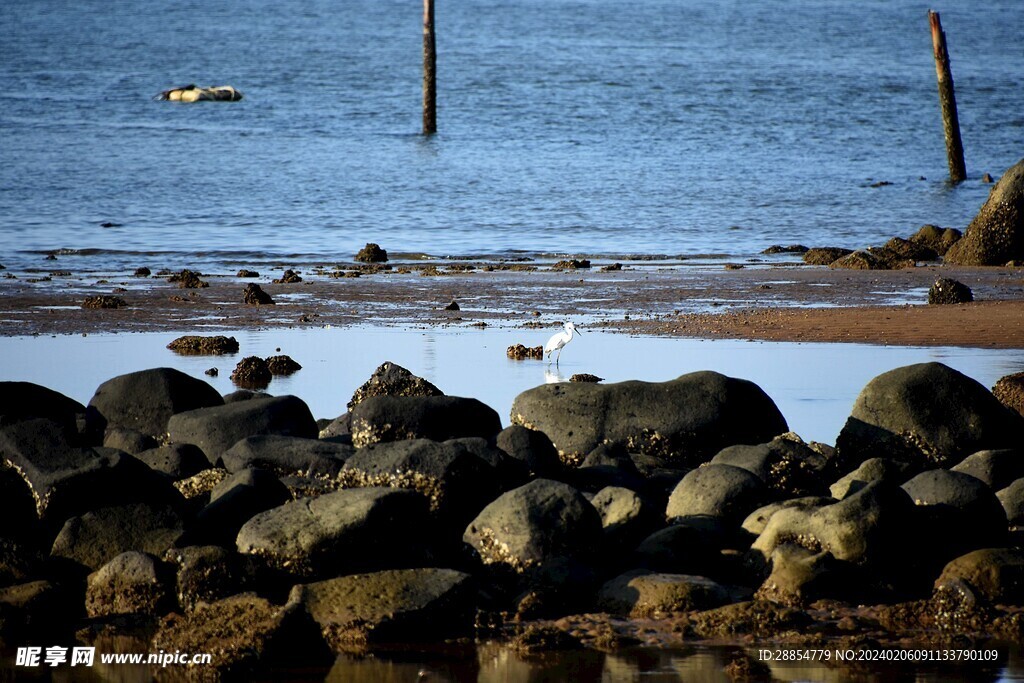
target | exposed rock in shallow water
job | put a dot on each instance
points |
(685, 420)
(824, 256)
(996, 235)
(289, 277)
(198, 345)
(188, 279)
(282, 365)
(372, 253)
(520, 352)
(927, 415)
(252, 372)
(104, 301)
(571, 264)
(948, 291)
(389, 606)
(254, 295)
(390, 379)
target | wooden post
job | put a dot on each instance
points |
(950, 121)
(429, 70)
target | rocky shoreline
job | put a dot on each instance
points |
(605, 516)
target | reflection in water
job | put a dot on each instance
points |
(554, 376)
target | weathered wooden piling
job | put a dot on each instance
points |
(950, 121)
(429, 70)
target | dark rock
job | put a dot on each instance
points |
(532, 525)
(757, 520)
(130, 583)
(393, 380)
(825, 256)
(245, 395)
(193, 345)
(233, 502)
(250, 634)
(987, 178)
(453, 306)
(453, 480)
(539, 638)
(144, 401)
(571, 264)
(723, 491)
(19, 520)
(585, 377)
(1012, 500)
(861, 260)
(127, 440)
(626, 517)
(389, 607)
(104, 301)
(338, 430)
(289, 277)
(254, 295)
(872, 469)
(758, 619)
(282, 365)
(244, 272)
(935, 238)
(211, 372)
(678, 549)
(142, 272)
(908, 250)
(997, 468)
(65, 480)
(964, 512)
(394, 418)
(36, 609)
(252, 372)
(785, 464)
(288, 456)
(219, 428)
(520, 352)
(372, 253)
(606, 465)
(206, 573)
(24, 400)
(927, 415)
(948, 291)
(532, 448)
(180, 460)
(348, 530)
(97, 537)
(791, 249)
(188, 279)
(640, 593)
(995, 574)
(685, 420)
(996, 235)
(1009, 390)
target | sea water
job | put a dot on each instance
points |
(670, 127)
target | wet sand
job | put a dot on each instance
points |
(766, 301)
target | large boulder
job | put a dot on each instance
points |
(287, 455)
(455, 481)
(532, 448)
(395, 606)
(207, 573)
(97, 537)
(393, 418)
(348, 530)
(724, 491)
(872, 469)
(935, 238)
(393, 380)
(627, 517)
(640, 593)
(66, 480)
(23, 400)
(177, 460)
(687, 419)
(996, 235)
(233, 502)
(144, 401)
(533, 525)
(998, 468)
(928, 415)
(217, 429)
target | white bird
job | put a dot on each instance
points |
(558, 341)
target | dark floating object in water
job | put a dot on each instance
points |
(193, 93)
(109, 224)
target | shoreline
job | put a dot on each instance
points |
(772, 302)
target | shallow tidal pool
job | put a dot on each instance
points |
(813, 384)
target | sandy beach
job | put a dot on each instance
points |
(778, 302)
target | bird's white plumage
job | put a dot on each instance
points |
(559, 340)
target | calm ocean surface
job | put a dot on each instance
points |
(566, 127)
